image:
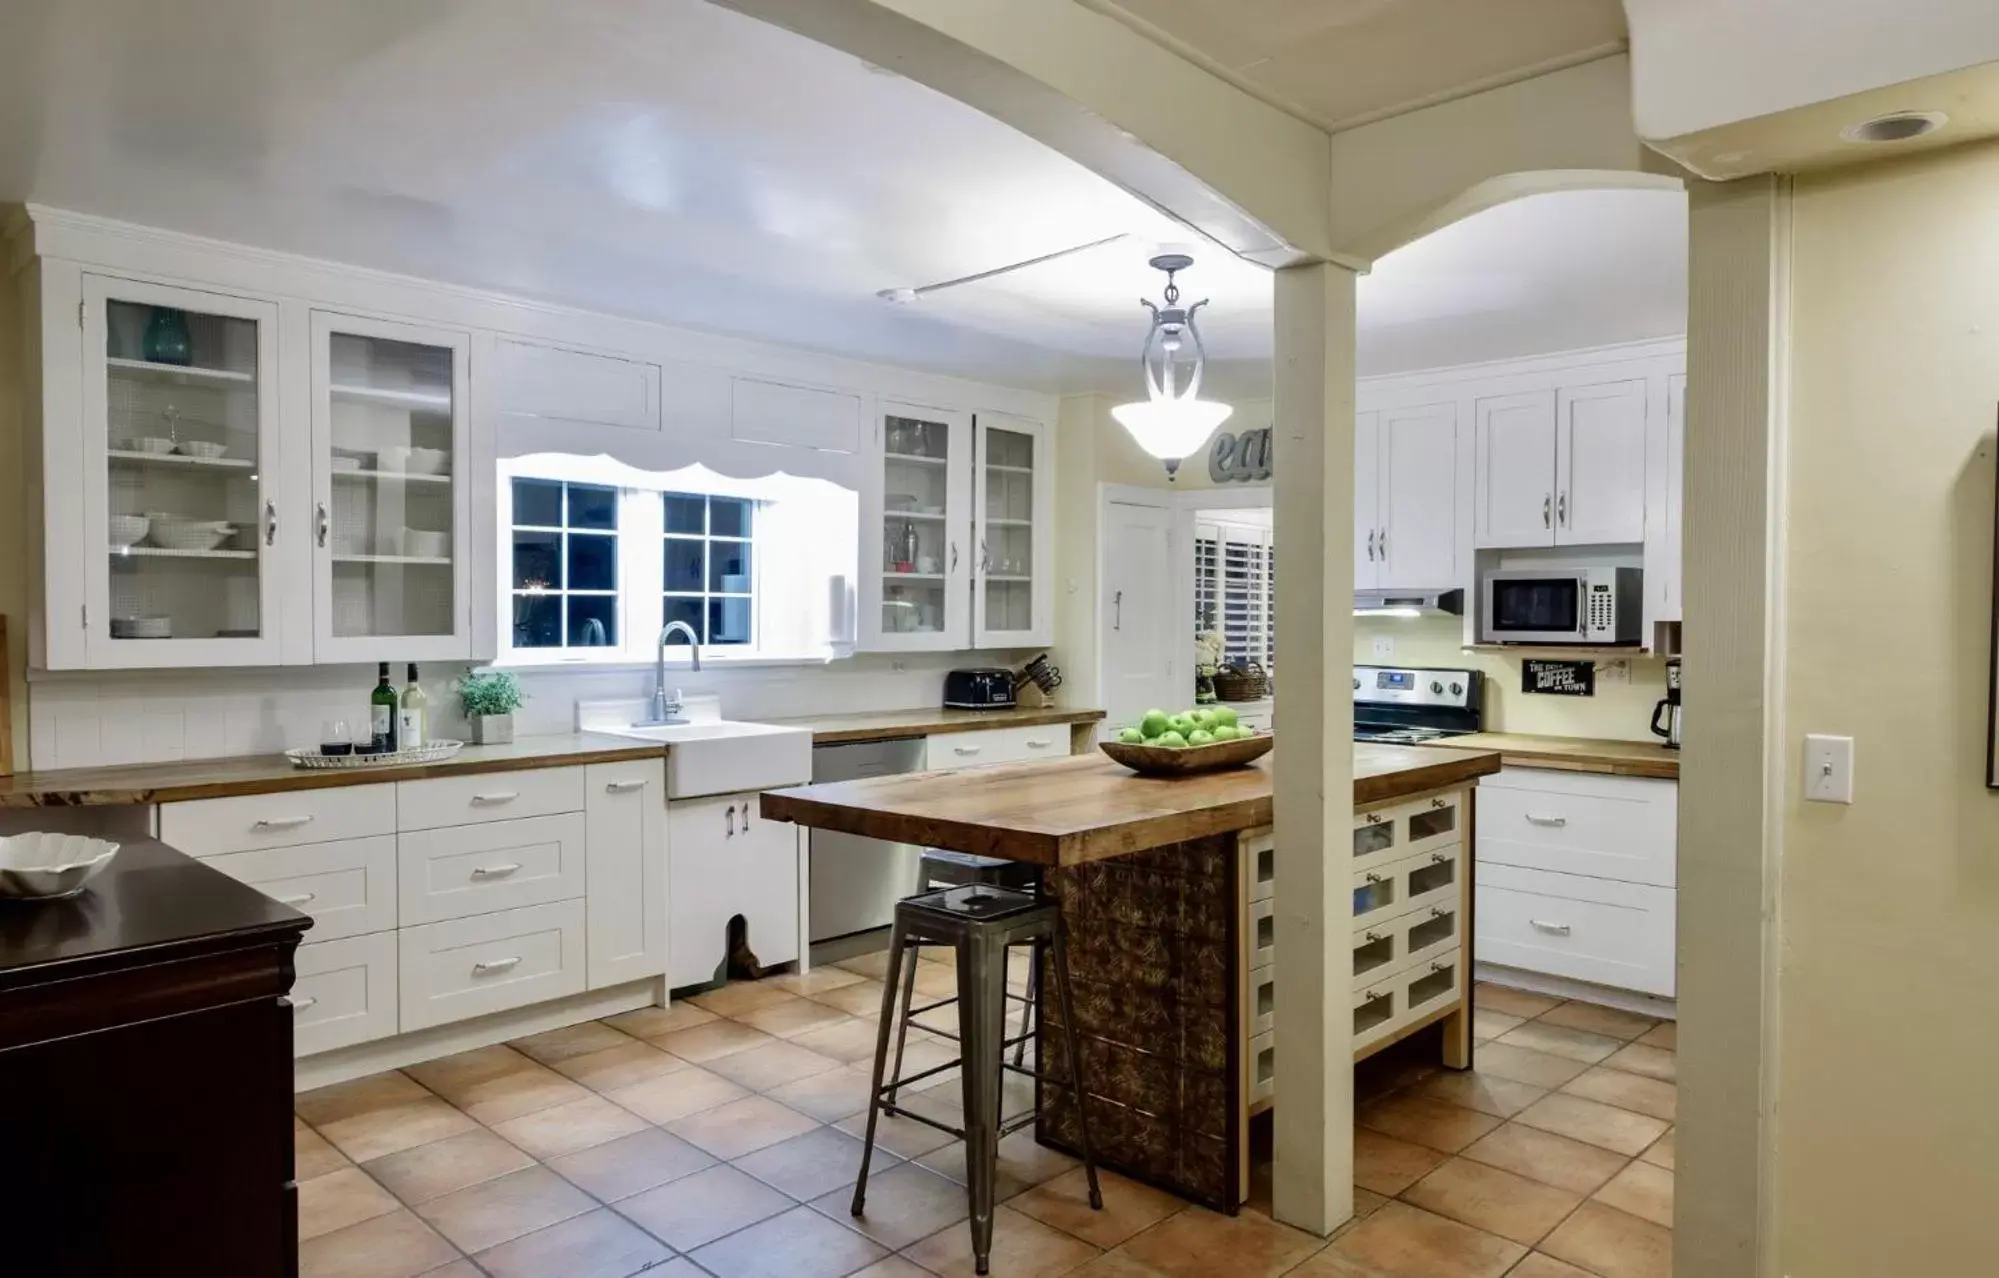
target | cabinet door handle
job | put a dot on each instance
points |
(746, 816)
(299, 899)
(1374, 878)
(1382, 545)
(731, 819)
(1039, 743)
(495, 799)
(1440, 967)
(1547, 510)
(500, 871)
(296, 1002)
(270, 523)
(1562, 510)
(1117, 611)
(966, 749)
(1440, 803)
(985, 557)
(954, 556)
(1438, 858)
(324, 523)
(1372, 936)
(1436, 913)
(1556, 822)
(1557, 929)
(489, 966)
(281, 823)
(623, 787)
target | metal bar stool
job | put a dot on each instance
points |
(942, 868)
(981, 922)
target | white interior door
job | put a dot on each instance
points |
(1139, 630)
(1367, 522)
(1419, 496)
(1600, 463)
(1515, 501)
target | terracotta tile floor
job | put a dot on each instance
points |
(715, 1138)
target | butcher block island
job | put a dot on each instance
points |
(1167, 891)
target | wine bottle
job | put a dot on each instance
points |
(382, 709)
(415, 726)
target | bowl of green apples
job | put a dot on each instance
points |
(1204, 739)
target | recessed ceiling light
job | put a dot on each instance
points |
(1896, 126)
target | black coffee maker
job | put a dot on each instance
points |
(1666, 714)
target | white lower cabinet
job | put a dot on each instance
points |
(625, 842)
(349, 887)
(344, 992)
(489, 963)
(464, 870)
(945, 751)
(723, 861)
(1598, 930)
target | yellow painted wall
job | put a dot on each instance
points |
(1888, 1140)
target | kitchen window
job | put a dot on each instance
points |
(1235, 589)
(565, 565)
(709, 566)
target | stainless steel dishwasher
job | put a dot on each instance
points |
(855, 881)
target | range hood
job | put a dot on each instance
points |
(1409, 603)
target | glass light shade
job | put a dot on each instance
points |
(1171, 429)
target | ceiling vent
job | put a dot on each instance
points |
(1897, 126)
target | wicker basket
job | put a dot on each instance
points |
(1247, 684)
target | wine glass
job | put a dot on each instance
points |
(335, 737)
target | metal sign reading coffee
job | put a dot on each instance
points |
(1559, 678)
(1240, 459)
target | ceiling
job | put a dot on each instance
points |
(678, 161)
(1341, 63)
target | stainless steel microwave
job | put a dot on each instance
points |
(1562, 605)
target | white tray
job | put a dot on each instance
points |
(435, 752)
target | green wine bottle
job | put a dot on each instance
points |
(383, 708)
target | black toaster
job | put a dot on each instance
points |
(989, 689)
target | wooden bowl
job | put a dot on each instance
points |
(1165, 761)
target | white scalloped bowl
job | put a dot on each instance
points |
(51, 866)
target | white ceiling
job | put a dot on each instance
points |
(681, 162)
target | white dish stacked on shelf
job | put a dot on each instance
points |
(128, 530)
(142, 628)
(172, 532)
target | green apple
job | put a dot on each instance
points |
(1171, 740)
(1224, 716)
(1153, 723)
(1202, 717)
(1181, 724)
(1200, 737)
(1222, 732)
(1131, 736)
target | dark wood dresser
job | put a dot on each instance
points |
(146, 1075)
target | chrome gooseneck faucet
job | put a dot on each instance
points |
(662, 711)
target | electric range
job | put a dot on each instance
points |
(1395, 705)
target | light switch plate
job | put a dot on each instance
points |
(1828, 769)
(1384, 647)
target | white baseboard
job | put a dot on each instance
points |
(1664, 1009)
(362, 1059)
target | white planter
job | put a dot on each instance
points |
(492, 729)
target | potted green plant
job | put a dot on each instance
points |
(489, 699)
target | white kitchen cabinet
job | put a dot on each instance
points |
(532, 379)
(391, 470)
(1514, 502)
(1600, 464)
(916, 545)
(1563, 467)
(723, 860)
(764, 412)
(177, 472)
(1405, 498)
(1673, 557)
(626, 842)
(1012, 499)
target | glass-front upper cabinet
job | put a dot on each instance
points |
(180, 454)
(920, 536)
(1012, 491)
(391, 508)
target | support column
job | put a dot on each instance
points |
(1314, 496)
(1732, 773)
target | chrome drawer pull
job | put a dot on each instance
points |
(298, 1002)
(299, 899)
(1039, 743)
(503, 796)
(1440, 967)
(1436, 913)
(1373, 818)
(1438, 858)
(1557, 929)
(1372, 936)
(623, 787)
(1440, 803)
(1556, 821)
(500, 871)
(966, 749)
(1374, 878)
(281, 823)
(495, 965)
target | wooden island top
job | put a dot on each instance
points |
(1087, 807)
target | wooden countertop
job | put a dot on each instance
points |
(271, 773)
(1577, 754)
(1087, 807)
(901, 725)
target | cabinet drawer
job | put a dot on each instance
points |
(1262, 854)
(1262, 1071)
(210, 827)
(1259, 938)
(1600, 930)
(1623, 828)
(476, 869)
(949, 750)
(1412, 883)
(469, 967)
(1431, 984)
(1398, 830)
(488, 796)
(1261, 1011)
(349, 887)
(344, 993)
(1384, 949)
(1377, 1007)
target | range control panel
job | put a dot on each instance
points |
(1392, 685)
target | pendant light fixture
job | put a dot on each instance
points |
(1173, 420)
